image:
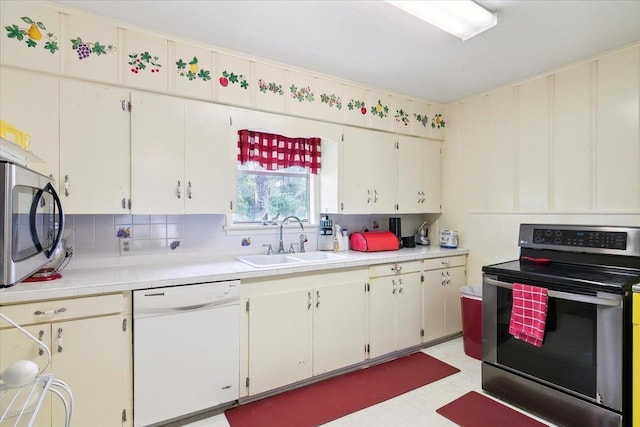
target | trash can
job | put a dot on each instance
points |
(471, 303)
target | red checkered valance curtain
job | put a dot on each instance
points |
(274, 152)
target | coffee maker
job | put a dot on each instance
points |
(325, 233)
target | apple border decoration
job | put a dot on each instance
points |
(273, 87)
(331, 100)
(233, 78)
(302, 94)
(33, 34)
(357, 104)
(85, 49)
(192, 72)
(402, 117)
(380, 110)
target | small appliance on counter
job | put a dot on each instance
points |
(395, 227)
(422, 235)
(325, 233)
(374, 241)
(448, 239)
(60, 258)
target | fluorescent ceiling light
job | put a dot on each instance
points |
(462, 18)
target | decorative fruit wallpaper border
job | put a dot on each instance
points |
(35, 34)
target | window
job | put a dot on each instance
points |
(274, 176)
(264, 196)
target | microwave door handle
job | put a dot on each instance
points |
(610, 302)
(49, 188)
(32, 220)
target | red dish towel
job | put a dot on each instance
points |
(528, 313)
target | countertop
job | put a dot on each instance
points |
(143, 272)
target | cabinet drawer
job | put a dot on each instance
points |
(393, 269)
(64, 309)
(446, 262)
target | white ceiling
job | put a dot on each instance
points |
(373, 43)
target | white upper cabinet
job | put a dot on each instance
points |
(231, 80)
(146, 64)
(573, 141)
(94, 148)
(193, 70)
(91, 49)
(617, 133)
(29, 101)
(534, 121)
(157, 154)
(418, 175)
(31, 36)
(210, 158)
(332, 103)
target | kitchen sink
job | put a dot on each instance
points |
(263, 261)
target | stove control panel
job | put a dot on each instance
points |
(581, 238)
(605, 239)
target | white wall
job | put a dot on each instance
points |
(563, 147)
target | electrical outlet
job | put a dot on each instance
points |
(126, 246)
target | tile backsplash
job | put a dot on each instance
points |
(95, 237)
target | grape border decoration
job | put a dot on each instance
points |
(85, 49)
(422, 119)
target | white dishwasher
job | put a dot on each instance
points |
(186, 350)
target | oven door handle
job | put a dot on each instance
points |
(613, 301)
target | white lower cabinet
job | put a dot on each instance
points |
(90, 343)
(297, 326)
(394, 307)
(443, 278)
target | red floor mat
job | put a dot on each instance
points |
(333, 398)
(475, 410)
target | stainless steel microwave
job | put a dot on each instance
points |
(32, 222)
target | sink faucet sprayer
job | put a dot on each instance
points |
(303, 238)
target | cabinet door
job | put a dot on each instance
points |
(410, 168)
(16, 346)
(210, 158)
(338, 326)
(455, 279)
(157, 154)
(431, 178)
(384, 172)
(94, 148)
(29, 102)
(433, 304)
(97, 346)
(280, 339)
(357, 165)
(382, 318)
(408, 310)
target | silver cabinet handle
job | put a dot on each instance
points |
(368, 196)
(317, 299)
(49, 312)
(309, 301)
(179, 191)
(448, 279)
(59, 340)
(443, 278)
(401, 286)
(446, 262)
(124, 203)
(67, 185)
(375, 196)
(189, 189)
(40, 336)
(396, 268)
(394, 287)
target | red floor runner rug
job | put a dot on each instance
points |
(335, 397)
(475, 410)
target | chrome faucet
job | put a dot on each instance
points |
(281, 243)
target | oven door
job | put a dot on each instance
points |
(582, 351)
